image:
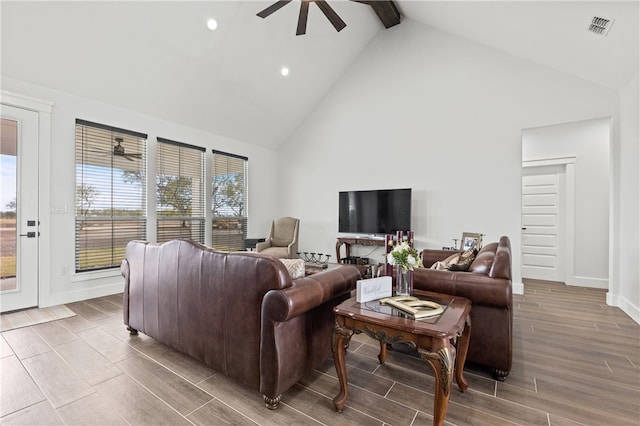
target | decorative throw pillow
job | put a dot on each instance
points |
(443, 265)
(466, 259)
(295, 267)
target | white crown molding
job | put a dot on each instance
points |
(25, 102)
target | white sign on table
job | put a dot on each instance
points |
(372, 289)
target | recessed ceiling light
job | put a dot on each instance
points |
(284, 71)
(212, 24)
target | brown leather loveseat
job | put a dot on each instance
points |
(239, 313)
(487, 284)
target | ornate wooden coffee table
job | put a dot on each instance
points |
(442, 341)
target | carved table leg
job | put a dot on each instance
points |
(441, 359)
(340, 342)
(463, 346)
(382, 356)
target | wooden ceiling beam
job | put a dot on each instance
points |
(386, 11)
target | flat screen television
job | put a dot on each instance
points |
(382, 211)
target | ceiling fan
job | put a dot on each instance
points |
(118, 151)
(328, 11)
(386, 10)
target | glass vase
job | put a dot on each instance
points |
(403, 285)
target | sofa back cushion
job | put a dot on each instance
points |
(494, 260)
(484, 259)
(202, 302)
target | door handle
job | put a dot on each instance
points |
(524, 229)
(29, 235)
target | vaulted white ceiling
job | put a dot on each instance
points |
(159, 58)
(552, 33)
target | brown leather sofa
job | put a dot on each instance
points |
(239, 313)
(487, 284)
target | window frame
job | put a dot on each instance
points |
(226, 239)
(134, 225)
(199, 219)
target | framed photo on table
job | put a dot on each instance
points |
(471, 240)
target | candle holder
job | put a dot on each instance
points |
(314, 259)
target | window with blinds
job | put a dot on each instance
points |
(110, 194)
(180, 191)
(229, 201)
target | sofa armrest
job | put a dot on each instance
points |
(479, 288)
(308, 293)
(124, 270)
(501, 267)
(292, 249)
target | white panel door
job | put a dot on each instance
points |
(541, 201)
(19, 197)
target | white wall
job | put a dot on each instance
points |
(589, 142)
(625, 291)
(424, 109)
(56, 287)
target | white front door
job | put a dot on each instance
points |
(541, 222)
(19, 221)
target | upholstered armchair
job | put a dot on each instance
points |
(282, 241)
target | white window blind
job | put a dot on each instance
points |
(110, 193)
(180, 191)
(229, 201)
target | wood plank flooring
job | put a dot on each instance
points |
(576, 362)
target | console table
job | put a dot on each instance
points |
(349, 241)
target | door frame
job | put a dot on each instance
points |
(567, 205)
(44, 110)
(24, 294)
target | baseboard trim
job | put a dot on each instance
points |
(588, 282)
(625, 305)
(80, 295)
(517, 288)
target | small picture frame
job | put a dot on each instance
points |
(471, 240)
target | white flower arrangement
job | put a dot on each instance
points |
(404, 256)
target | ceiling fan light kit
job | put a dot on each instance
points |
(386, 11)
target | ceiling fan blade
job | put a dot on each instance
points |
(269, 10)
(302, 18)
(331, 15)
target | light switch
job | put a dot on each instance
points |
(59, 209)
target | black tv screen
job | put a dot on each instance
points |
(383, 211)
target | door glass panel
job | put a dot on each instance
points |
(8, 206)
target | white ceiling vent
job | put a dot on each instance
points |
(601, 26)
